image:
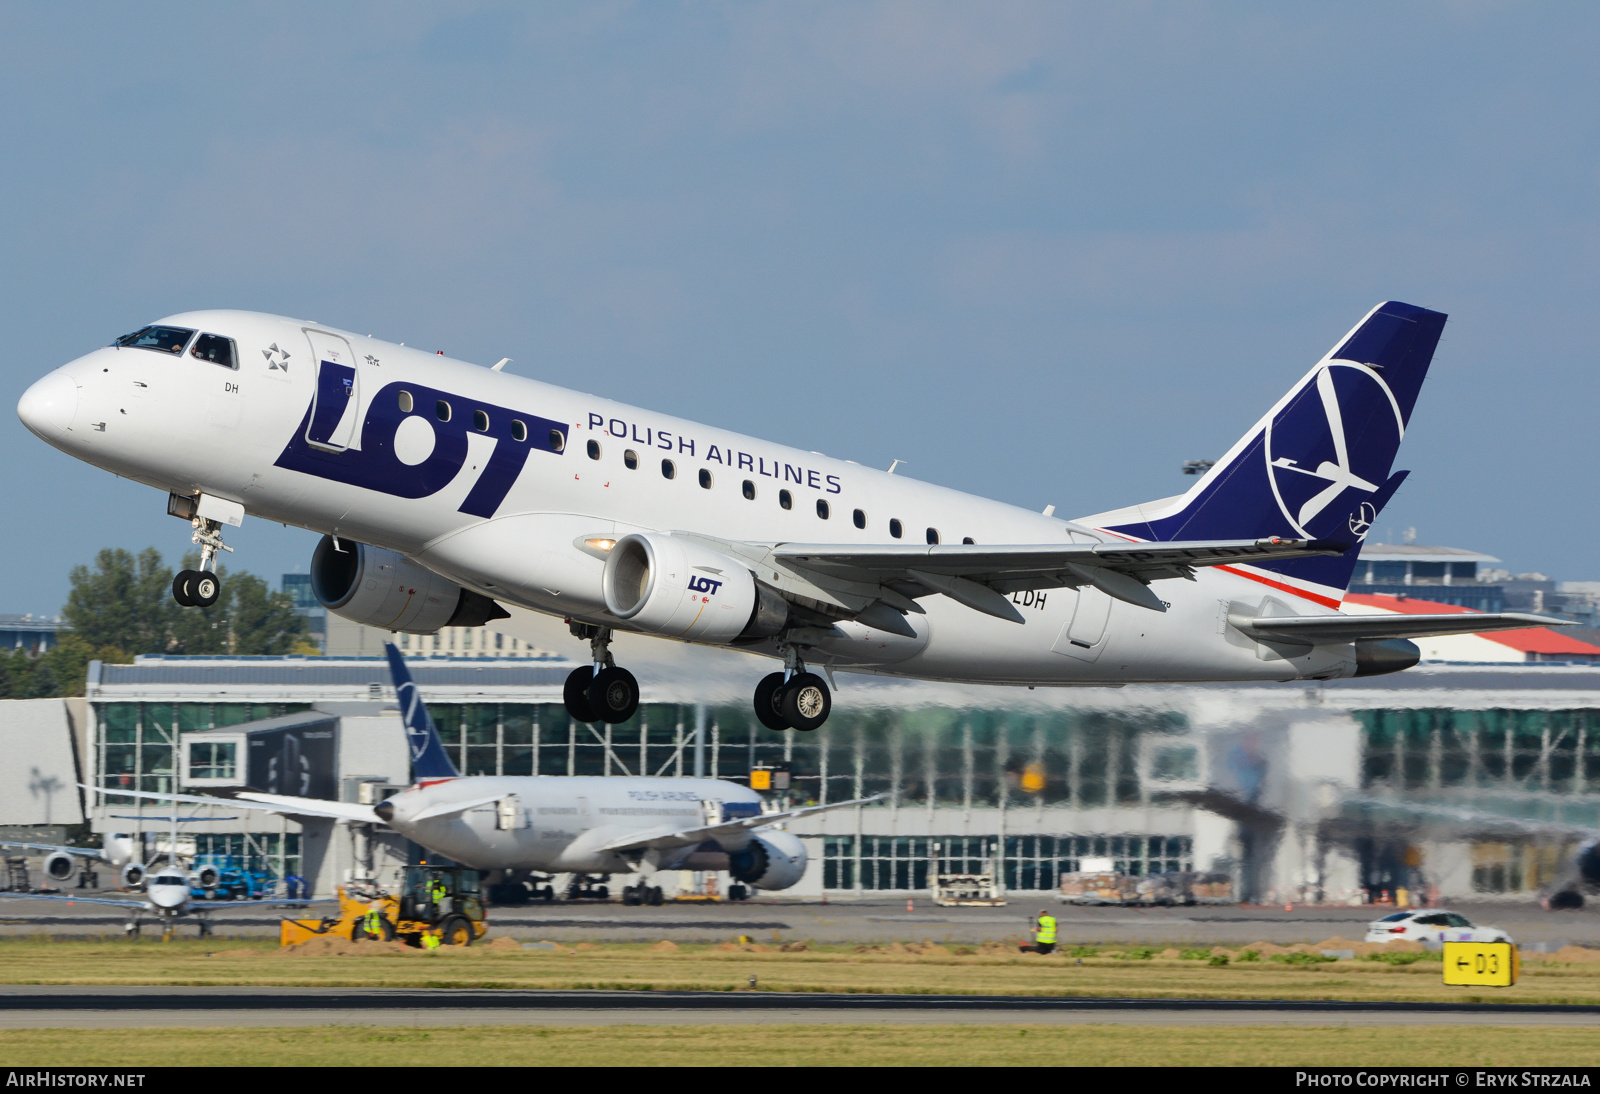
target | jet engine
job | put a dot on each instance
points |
(60, 866)
(771, 860)
(1582, 875)
(384, 589)
(132, 876)
(207, 877)
(676, 588)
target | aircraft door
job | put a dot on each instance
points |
(1084, 634)
(336, 404)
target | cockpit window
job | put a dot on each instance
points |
(166, 339)
(216, 349)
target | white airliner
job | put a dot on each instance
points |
(562, 823)
(446, 490)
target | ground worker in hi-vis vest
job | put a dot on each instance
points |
(437, 891)
(1044, 934)
(430, 940)
(372, 924)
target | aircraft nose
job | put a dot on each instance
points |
(48, 406)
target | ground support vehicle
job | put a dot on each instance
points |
(413, 916)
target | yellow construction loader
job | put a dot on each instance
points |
(436, 905)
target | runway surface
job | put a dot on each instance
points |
(877, 918)
(39, 1007)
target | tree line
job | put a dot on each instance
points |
(123, 607)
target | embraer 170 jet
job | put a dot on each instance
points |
(445, 490)
(578, 824)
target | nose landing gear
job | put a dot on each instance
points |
(198, 588)
(602, 692)
(793, 698)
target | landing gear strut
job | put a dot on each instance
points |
(603, 692)
(793, 698)
(198, 588)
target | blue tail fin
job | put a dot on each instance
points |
(1319, 465)
(428, 758)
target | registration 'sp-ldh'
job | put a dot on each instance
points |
(446, 490)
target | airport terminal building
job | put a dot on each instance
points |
(1474, 780)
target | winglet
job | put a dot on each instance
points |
(428, 757)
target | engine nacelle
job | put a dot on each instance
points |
(771, 860)
(385, 589)
(60, 866)
(207, 877)
(132, 876)
(675, 588)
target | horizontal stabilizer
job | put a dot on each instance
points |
(1312, 629)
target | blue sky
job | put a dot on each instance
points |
(1040, 252)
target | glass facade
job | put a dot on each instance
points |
(137, 742)
(1029, 862)
(1437, 748)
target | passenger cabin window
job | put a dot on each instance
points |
(822, 509)
(669, 470)
(441, 410)
(933, 536)
(558, 440)
(705, 479)
(594, 450)
(480, 421)
(216, 349)
(894, 527)
(519, 431)
(631, 458)
(860, 518)
(166, 339)
(749, 490)
(405, 402)
(785, 500)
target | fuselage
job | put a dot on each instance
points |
(496, 481)
(561, 823)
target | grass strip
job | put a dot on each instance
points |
(810, 1046)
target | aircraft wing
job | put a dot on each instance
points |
(1352, 628)
(309, 807)
(667, 838)
(269, 803)
(979, 575)
(84, 852)
(444, 809)
(77, 899)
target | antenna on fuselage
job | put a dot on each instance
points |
(500, 364)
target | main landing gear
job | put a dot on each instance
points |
(198, 588)
(603, 692)
(793, 698)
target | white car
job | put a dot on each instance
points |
(1431, 925)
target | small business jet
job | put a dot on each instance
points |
(168, 888)
(445, 490)
(576, 824)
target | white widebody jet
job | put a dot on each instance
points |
(573, 824)
(118, 850)
(445, 490)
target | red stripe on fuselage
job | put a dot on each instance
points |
(1315, 598)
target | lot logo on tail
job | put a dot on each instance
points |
(1313, 467)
